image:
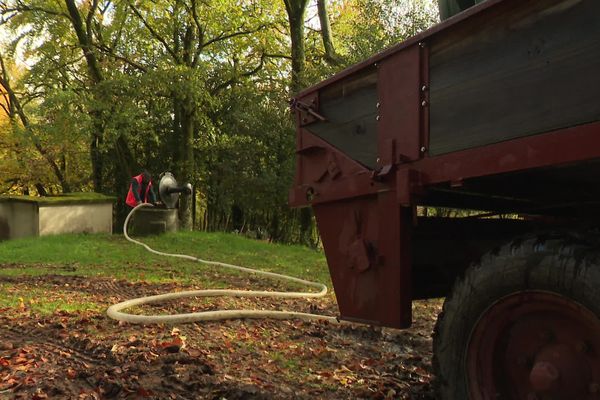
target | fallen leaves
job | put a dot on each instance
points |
(173, 345)
(87, 356)
(14, 369)
(144, 393)
(6, 345)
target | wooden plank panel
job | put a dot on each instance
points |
(351, 111)
(356, 138)
(528, 69)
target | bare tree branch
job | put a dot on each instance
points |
(5, 19)
(90, 19)
(119, 34)
(224, 36)
(84, 41)
(32, 97)
(330, 54)
(286, 56)
(200, 45)
(155, 34)
(4, 75)
(20, 6)
(96, 32)
(5, 108)
(108, 51)
(237, 77)
(14, 102)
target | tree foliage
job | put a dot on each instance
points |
(101, 89)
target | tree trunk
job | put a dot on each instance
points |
(84, 42)
(448, 8)
(296, 10)
(330, 55)
(96, 77)
(96, 154)
(124, 167)
(188, 166)
(125, 157)
(41, 189)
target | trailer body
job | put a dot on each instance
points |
(495, 109)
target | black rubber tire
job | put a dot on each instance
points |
(564, 264)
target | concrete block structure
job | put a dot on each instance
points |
(22, 216)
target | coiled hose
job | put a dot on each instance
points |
(115, 311)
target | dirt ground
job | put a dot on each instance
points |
(86, 355)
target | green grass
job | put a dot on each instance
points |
(285, 361)
(45, 300)
(102, 255)
(113, 256)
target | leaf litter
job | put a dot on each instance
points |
(82, 354)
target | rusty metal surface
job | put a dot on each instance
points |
(368, 266)
(365, 233)
(399, 110)
(325, 174)
(564, 146)
(307, 109)
(535, 345)
(364, 214)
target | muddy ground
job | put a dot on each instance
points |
(85, 355)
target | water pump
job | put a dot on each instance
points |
(162, 217)
(169, 192)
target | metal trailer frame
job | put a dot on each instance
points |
(367, 214)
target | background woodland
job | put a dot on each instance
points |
(93, 91)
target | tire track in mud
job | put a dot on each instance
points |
(66, 357)
(128, 290)
(82, 351)
(59, 366)
(92, 285)
(93, 366)
(53, 337)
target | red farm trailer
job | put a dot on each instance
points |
(496, 110)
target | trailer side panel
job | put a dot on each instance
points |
(528, 70)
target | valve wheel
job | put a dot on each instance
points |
(523, 325)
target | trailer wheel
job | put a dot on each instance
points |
(523, 324)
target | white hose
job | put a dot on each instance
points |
(114, 311)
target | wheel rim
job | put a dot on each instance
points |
(537, 346)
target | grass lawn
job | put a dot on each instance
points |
(113, 256)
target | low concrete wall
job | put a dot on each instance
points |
(76, 218)
(18, 219)
(22, 216)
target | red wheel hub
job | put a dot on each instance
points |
(536, 346)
